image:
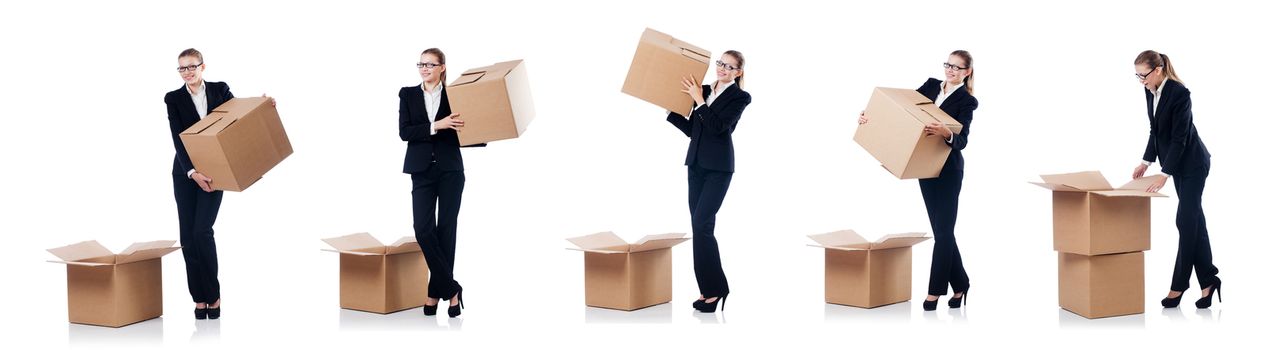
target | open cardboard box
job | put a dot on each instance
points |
(1093, 218)
(868, 274)
(627, 276)
(113, 290)
(380, 278)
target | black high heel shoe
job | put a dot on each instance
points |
(710, 307)
(213, 313)
(456, 310)
(697, 304)
(1170, 303)
(200, 314)
(956, 302)
(1205, 302)
(930, 305)
(430, 310)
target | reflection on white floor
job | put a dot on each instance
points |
(145, 333)
(1068, 320)
(649, 315)
(897, 313)
(405, 320)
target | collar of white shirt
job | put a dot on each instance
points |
(714, 93)
(423, 86)
(202, 89)
(951, 89)
(1160, 88)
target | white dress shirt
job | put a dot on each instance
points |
(200, 105)
(432, 103)
(943, 95)
(714, 93)
(1155, 106)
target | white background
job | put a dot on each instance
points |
(87, 155)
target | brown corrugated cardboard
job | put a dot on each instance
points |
(626, 276)
(1103, 285)
(868, 274)
(493, 101)
(237, 143)
(380, 278)
(1092, 218)
(657, 71)
(113, 290)
(894, 134)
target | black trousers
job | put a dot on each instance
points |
(706, 189)
(436, 196)
(941, 195)
(1193, 249)
(196, 213)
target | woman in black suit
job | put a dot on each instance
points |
(196, 202)
(1182, 155)
(436, 174)
(955, 96)
(710, 164)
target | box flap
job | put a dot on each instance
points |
(900, 240)
(139, 246)
(202, 125)
(404, 245)
(1128, 193)
(654, 242)
(1082, 181)
(84, 251)
(841, 239)
(81, 263)
(688, 50)
(145, 254)
(934, 114)
(468, 78)
(356, 243)
(1141, 184)
(1056, 187)
(239, 106)
(603, 241)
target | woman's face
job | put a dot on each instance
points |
(1149, 76)
(430, 68)
(956, 70)
(191, 69)
(727, 69)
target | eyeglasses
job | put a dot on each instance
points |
(1143, 77)
(954, 67)
(725, 65)
(188, 68)
(428, 65)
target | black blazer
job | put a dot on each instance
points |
(182, 115)
(961, 106)
(1174, 139)
(710, 129)
(423, 148)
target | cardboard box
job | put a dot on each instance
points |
(237, 143)
(627, 276)
(894, 134)
(494, 102)
(380, 278)
(657, 71)
(113, 290)
(1102, 285)
(868, 274)
(1092, 218)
